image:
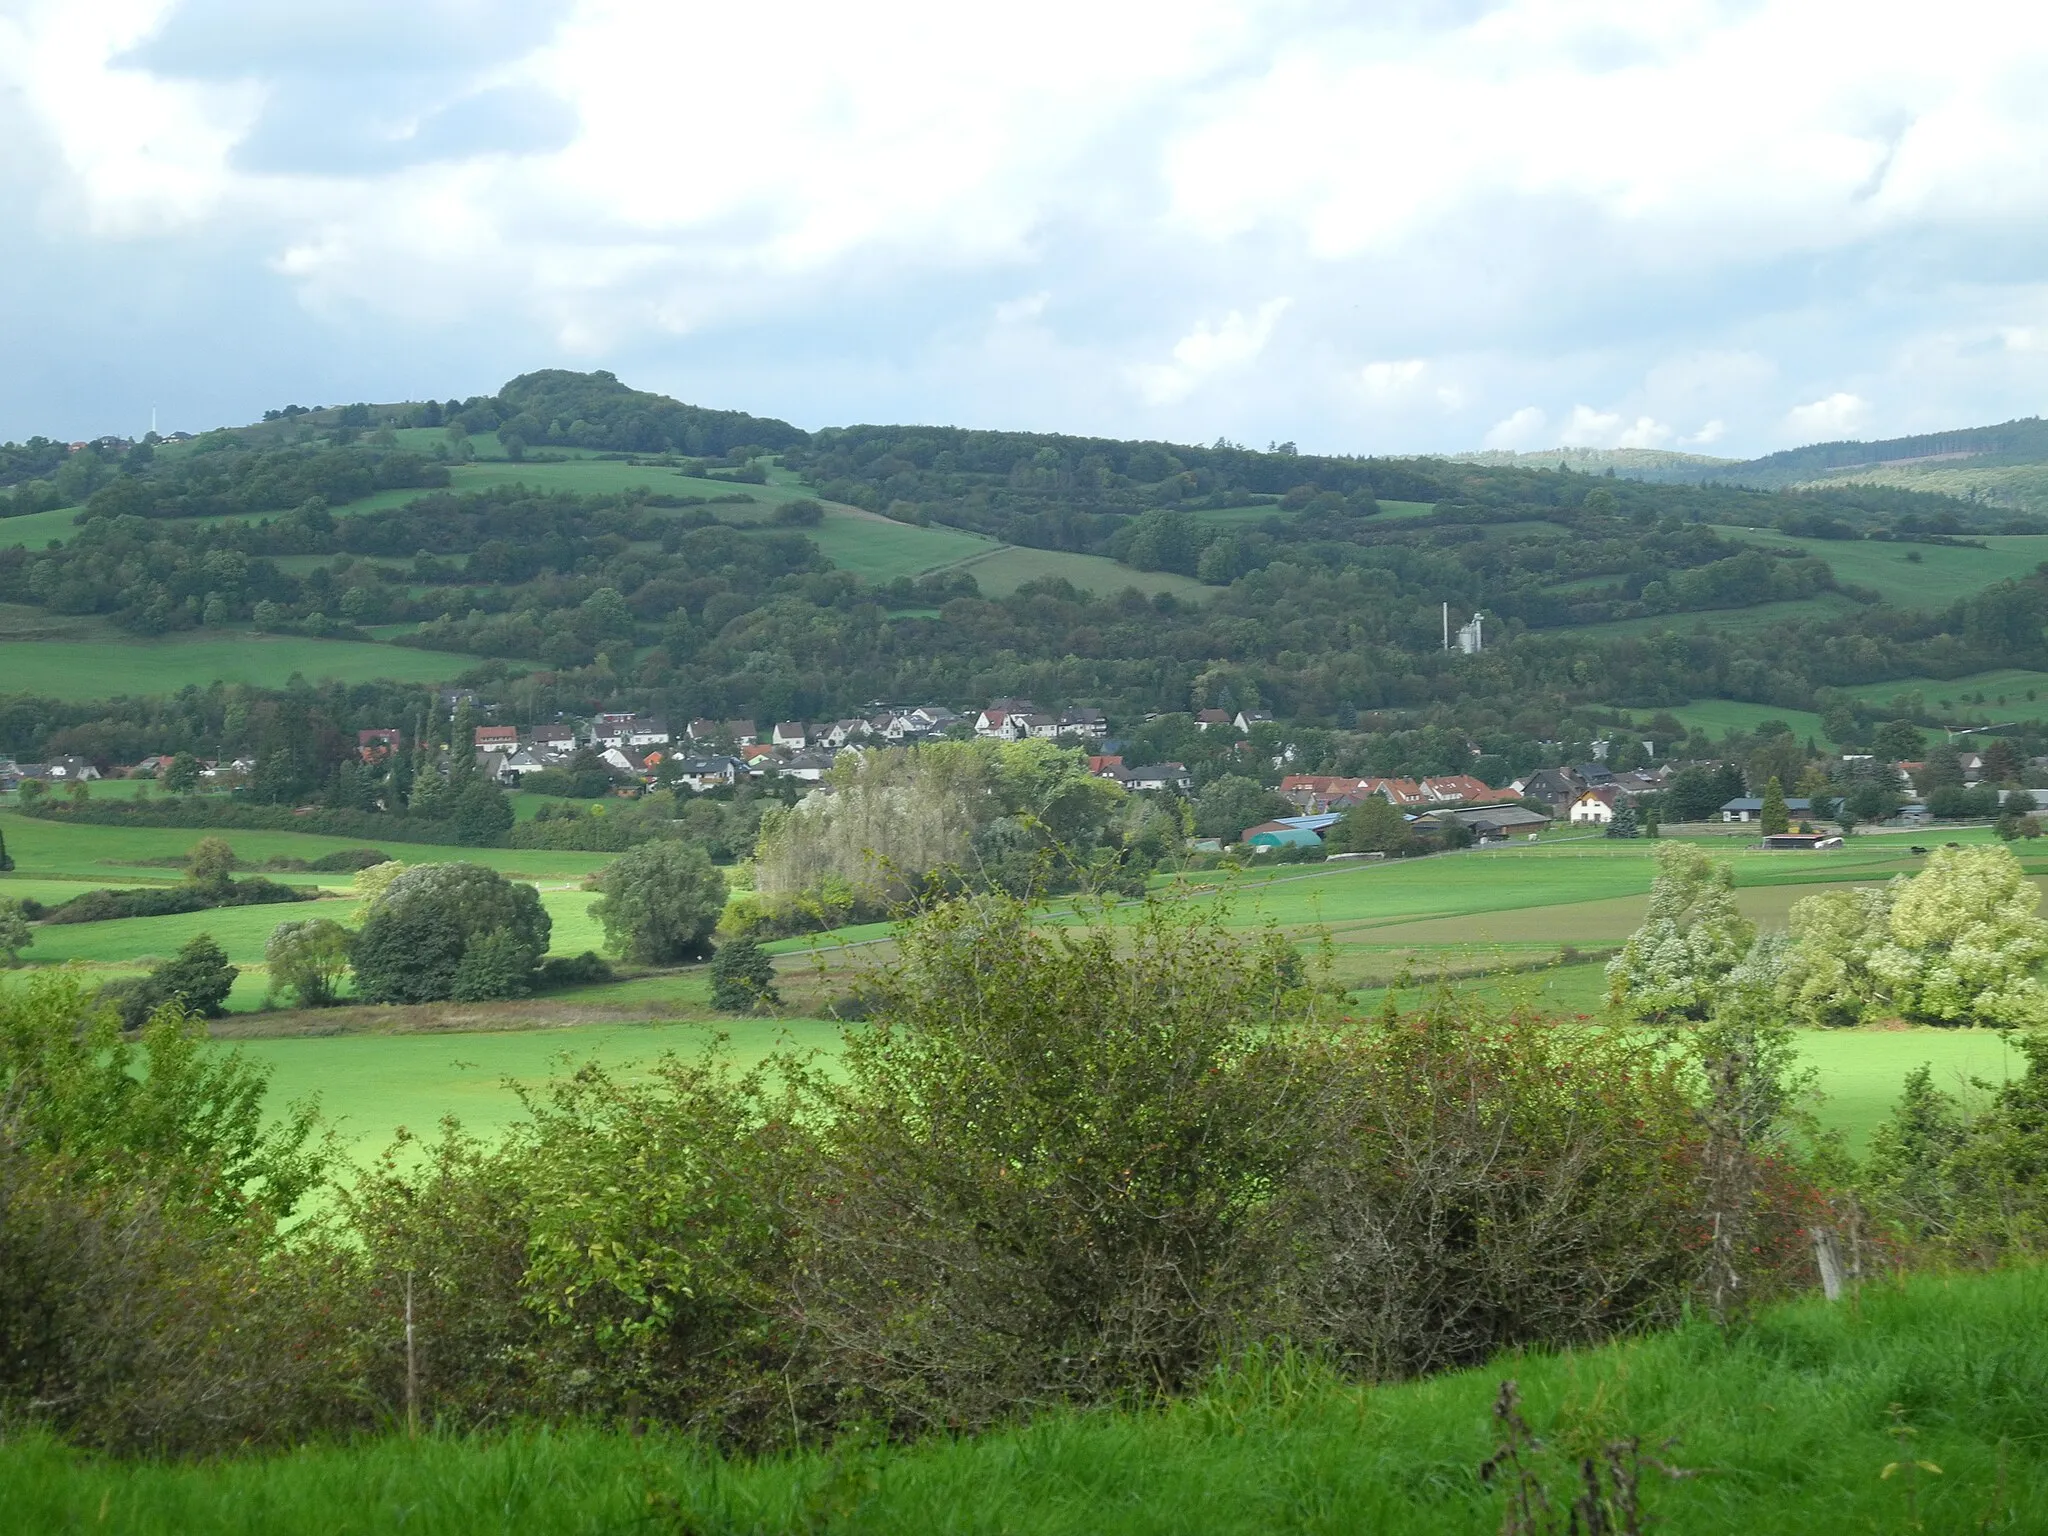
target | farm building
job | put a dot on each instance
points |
(1291, 832)
(1492, 823)
(1748, 808)
(1796, 841)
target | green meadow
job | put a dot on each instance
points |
(1825, 606)
(1912, 575)
(98, 669)
(1719, 716)
(2008, 694)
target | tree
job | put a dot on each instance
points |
(181, 776)
(14, 933)
(742, 978)
(1371, 826)
(1625, 823)
(1962, 942)
(1942, 770)
(494, 965)
(6, 859)
(2001, 762)
(1774, 817)
(660, 902)
(481, 813)
(423, 924)
(801, 513)
(32, 792)
(211, 862)
(198, 978)
(1674, 965)
(369, 884)
(307, 959)
(1898, 741)
(1228, 805)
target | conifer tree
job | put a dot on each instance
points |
(1774, 816)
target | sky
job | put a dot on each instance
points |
(1381, 227)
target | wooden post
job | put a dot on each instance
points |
(412, 1369)
(1829, 1260)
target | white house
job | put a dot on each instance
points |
(790, 735)
(1595, 808)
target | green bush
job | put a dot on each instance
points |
(742, 977)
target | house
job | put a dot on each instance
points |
(624, 731)
(808, 766)
(1461, 787)
(840, 732)
(1554, 787)
(702, 773)
(553, 738)
(758, 756)
(513, 767)
(1749, 808)
(1315, 791)
(1156, 776)
(1105, 767)
(1594, 775)
(1090, 724)
(497, 738)
(378, 743)
(452, 699)
(1247, 718)
(995, 720)
(63, 770)
(1208, 719)
(621, 765)
(1593, 808)
(1400, 793)
(790, 735)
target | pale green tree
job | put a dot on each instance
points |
(1673, 967)
(1826, 979)
(369, 884)
(1963, 941)
(14, 933)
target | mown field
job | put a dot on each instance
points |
(2020, 486)
(2008, 694)
(1786, 1424)
(1719, 716)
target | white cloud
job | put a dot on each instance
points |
(1391, 381)
(1207, 351)
(1554, 200)
(1833, 416)
(1523, 430)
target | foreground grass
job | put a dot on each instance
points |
(1788, 1426)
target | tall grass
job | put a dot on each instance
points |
(1786, 1427)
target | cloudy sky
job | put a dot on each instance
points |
(1378, 226)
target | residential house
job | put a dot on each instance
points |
(1247, 718)
(758, 756)
(1461, 787)
(995, 720)
(1089, 724)
(1749, 808)
(1594, 775)
(64, 770)
(378, 743)
(1554, 787)
(512, 767)
(148, 768)
(790, 735)
(1104, 766)
(702, 773)
(808, 766)
(553, 738)
(1156, 776)
(497, 738)
(626, 731)
(1210, 719)
(452, 699)
(840, 732)
(1315, 792)
(1401, 793)
(1029, 727)
(1593, 808)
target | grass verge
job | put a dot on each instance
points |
(1787, 1425)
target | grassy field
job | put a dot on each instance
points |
(1826, 605)
(1719, 716)
(103, 668)
(1009, 566)
(1786, 1425)
(2021, 486)
(2011, 693)
(1912, 575)
(879, 549)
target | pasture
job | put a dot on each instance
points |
(1717, 717)
(1827, 605)
(76, 668)
(1008, 566)
(879, 549)
(2011, 693)
(1911, 575)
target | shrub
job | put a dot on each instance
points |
(422, 926)
(586, 969)
(742, 977)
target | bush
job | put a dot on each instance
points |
(660, 903)
(421, 927)
(224, 812)
(584, 970)
(742, 978)
(103, 906)
(307, 959)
